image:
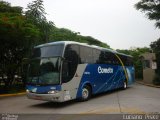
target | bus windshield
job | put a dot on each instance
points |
(48, 51)
(44, 71)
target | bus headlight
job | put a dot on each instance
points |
(27, 91)
(52, 92)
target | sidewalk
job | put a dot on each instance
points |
(14, 94)
(151, 85)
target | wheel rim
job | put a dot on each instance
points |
(85, 93)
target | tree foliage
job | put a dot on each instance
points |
(63, 34)
(156, 48)
(17, 35)
(36, 14)
(151, 8)
(35, 11)
(6, 7)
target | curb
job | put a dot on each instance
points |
(15, 94)
(148, 84)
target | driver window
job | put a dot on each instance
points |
(70, 63)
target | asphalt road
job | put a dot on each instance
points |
(136, 99)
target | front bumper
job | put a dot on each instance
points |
(57, 97)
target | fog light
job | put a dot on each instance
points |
(52, 92)
(27, 91)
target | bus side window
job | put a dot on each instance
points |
(71, 61)
(101, 58)
(124, 59)
(128, 61)
(107, 57)
(86, 54)
(96, 56)
(65, 74)
(115, 60)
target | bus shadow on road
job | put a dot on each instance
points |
(54, 104)
(108, 93)
(72, 102)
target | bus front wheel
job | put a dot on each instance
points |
(86, 93)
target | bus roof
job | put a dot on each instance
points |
(78, 43)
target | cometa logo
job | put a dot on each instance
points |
(105, 70)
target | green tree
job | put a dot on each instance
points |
(156, 48)
(61, 34)
(36, 14)
(151, 8)
(17, 36)
(35, 11)
(6, 7)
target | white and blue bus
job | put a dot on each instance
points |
(66, 70)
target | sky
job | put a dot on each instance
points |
(115, 22)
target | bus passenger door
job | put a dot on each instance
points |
(69, 68)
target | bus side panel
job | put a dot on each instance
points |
(102, 77)
(131, 74)
(109, 81)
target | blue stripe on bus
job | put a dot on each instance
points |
(102, 82)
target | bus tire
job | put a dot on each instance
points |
(124, 85)
(86, 93)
